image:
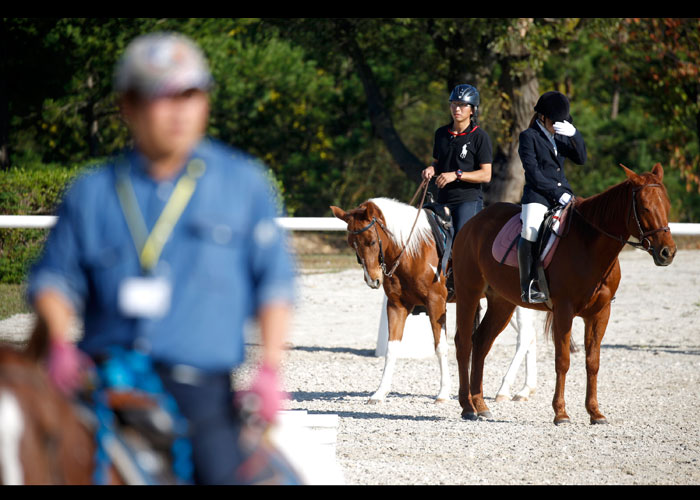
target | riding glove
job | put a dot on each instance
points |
(564, 128)
(564, 199)
(66, 366)
(263, 399)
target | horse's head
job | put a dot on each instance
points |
(648, 218)
(365, 225)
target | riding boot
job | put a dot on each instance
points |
(530, 292)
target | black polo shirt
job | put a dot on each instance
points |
(465, 151)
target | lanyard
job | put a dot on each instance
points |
(150, 246)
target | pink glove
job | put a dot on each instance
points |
(66, 364)
(264, 398)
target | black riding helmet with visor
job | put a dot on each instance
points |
(555, 106)
(468, 94)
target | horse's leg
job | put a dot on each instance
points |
(595, 329)
(467, 316)
(497, 316)
(530, 370)
(527, 336)
(522, 326)
(396, 317)
(436, 312)
(562, 337)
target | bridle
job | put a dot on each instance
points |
(643, 235)
(376, 222)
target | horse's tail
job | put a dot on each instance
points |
(548, 320)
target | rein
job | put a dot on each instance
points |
(643, 235)
(382, 263)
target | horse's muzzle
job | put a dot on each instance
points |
(663, 256)
(373, 283)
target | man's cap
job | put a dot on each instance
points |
(161, 64)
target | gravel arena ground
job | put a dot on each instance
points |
(648, 388)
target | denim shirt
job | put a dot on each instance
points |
(226, 258)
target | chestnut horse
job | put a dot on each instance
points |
(583, 277)
(45, 438)
(42, 439)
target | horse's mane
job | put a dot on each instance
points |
(601, 209)
(399, 218)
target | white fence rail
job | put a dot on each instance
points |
(290, 223)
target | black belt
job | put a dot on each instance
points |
(189, 375)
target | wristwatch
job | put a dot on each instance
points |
(459, 175)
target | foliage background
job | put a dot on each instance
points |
(288, 92)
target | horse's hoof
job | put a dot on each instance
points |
(518, 397)
(485, 414)
(501, 397)
(563, 421)
(468, 415)
(440, 400)
(373, 401)
(599, 421)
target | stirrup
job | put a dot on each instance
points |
(534, 295)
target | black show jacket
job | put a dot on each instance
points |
(545, 181)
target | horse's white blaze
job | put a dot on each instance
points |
(368, 279)
(11, 428)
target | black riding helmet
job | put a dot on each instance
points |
(555, 106)
(466, 93)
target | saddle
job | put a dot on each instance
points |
(440, 221)
(504, 248)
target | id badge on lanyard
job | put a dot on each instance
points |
(149, 295)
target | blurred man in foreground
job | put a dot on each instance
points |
(168, 251)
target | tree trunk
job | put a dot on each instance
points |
(378, 113)
(90, 119)
(615, 103)
(4, 101)
(508, 177)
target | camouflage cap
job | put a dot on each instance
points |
(161, 64)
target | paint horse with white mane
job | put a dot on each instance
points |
(407, 268)
(396, 248)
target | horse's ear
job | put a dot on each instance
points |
(340, 213)
(371, 209)
(38, 346)
(629, 173)
(658, 171)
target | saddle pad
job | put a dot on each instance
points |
(511, 230)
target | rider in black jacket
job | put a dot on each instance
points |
(550, 138)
